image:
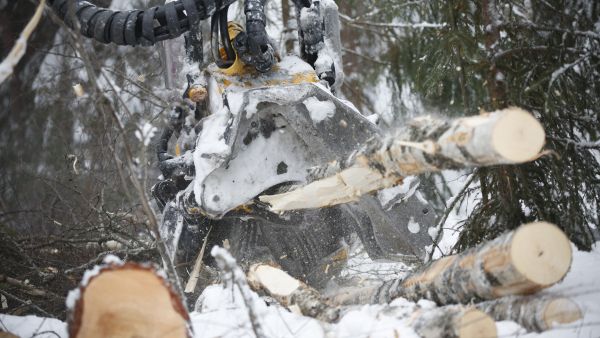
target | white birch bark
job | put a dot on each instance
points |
(533, 313)
(524, 261)
(426, 144)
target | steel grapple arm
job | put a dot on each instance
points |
(138, 27)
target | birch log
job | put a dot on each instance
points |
(453, 322)
(426, 144)
(126, 300)
(291, 292)
(539, 313)
(520, 262)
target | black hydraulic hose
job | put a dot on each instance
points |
(138, 27)
(225, 40)
(220, 34)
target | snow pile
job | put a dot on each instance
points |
(32, 326)
(221, 313)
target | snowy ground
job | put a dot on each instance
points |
(222, 314)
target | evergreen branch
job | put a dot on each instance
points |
(532, 26)
(540, 48)
(578, 144)
(392, 25)
(366, 57)
(449, 209)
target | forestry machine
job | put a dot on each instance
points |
(253, 123)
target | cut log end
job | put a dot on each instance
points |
(275, 281)
(561, 311)
(541, 253)
(476, 324)
(518, 136)
(128, 301)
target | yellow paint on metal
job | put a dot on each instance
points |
(241, 75)
(238, 67)
(177, 150)
(305, 78)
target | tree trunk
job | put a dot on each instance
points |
(427, 144)
(524, 261)
(126, 300)
(537, 314)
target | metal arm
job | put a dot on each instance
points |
(138, 27)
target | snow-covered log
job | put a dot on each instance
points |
(520, 262)
(291, 292)
(126, 300)
(453, 322)
(534, 313)
(426, 144)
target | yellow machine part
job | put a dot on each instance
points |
(242, 75)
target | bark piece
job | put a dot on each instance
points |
(128, 300)
(426, 144)
(533, 313)
(190, 286)
(290, 292)
(520, 262)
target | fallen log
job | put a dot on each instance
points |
(520, 262)
(539, 313)
(126, 300)
(291, 292)
(454, 321)
(427, 144)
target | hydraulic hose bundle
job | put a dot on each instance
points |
(146, 27)
(138, 27)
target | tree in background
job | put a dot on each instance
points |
(463, 57)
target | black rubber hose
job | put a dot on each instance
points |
(138, 27)
(219, 36)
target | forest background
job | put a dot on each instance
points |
(66, 197)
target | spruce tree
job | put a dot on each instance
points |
(543, 56)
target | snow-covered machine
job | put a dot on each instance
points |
(253, 123)
(260, 133)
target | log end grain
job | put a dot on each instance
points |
(561, 311)
(541, 252)
(128, 301)
(476, 324)
(518, 136)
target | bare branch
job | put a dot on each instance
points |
(18, 50)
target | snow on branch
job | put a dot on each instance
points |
(16, 53)
(227, 263)
(392, 25)
(532, 26)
